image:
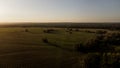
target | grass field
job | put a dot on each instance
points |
(21, 49)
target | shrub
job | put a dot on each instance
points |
(49, 31)
(70, 32)
(93, 61)
(26, 30)
(101, 32)
(76, 29)
(45, 40)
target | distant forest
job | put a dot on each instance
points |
(67, 25)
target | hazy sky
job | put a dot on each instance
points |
(59, 10)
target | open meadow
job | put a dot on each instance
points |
(35, 47)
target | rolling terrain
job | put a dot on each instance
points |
(18, 47)
(38, 47)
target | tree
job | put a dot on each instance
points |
(80, 48)
(26, 30)
(101, 32)
(49, 31)
(45, 40)
(93, 61)
(112, 38)
(116, 64)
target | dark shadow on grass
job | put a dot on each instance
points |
(63, 48)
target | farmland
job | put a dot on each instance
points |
(24, 47)
(18, 46)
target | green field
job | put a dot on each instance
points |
(19, 48)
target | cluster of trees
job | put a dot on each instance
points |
(94, 45)
(89, 31)
(69, 30)
(112, 38)
(97, 31)
(93, 62)
(101, 32)
(102, 43)
(49, 31)
(98, 61)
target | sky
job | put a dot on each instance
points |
(59, 10)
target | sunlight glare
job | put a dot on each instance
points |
(3, 8)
